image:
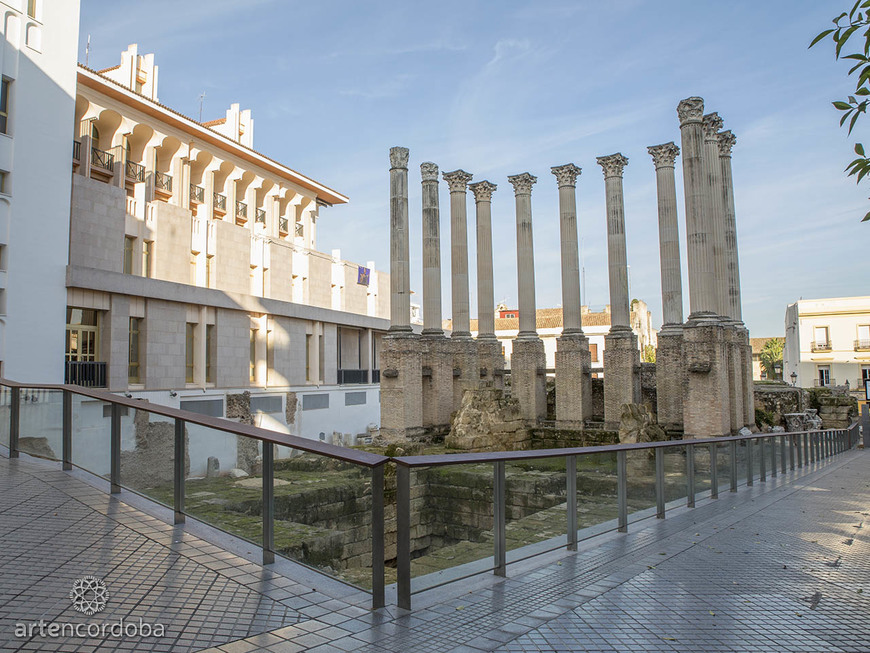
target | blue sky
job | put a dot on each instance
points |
(499, 88)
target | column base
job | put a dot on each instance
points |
(573, 381)
(401, 385)
(748, 381)
(529, 377)
(706, 408)
(491, 360)
(670, 379)
(466, 368)
(734, 352)
(437, 381)
(621, 374)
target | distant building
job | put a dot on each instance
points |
(758, 372)
(827, 342)
(596, 324)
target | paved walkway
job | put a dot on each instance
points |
(781, 566)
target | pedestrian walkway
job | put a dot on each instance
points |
(780, 566)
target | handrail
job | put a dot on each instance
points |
(363, 458)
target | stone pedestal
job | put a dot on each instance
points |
(528, 377)
(401, 381)
(466, 368)
(670, 379)
(734, 349)
(621, 374)
(491, 360)
(573, 381)
(437, 381)
(706, 400)
(748, 381)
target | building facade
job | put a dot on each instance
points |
(827, 342)
(194, 272)
(37, 99)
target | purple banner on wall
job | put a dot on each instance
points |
(363, 275)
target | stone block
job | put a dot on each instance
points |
(573, 381)
(401, 385)
(528, 377)
(706, 408)
(670, 380)
(466, 368)
(437, 381)
(621, 375)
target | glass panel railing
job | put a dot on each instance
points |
(224, 483)
(703, 474)
(723, 467)
(5, 399)
(91, 434)
(41, 423)
(641, 483)
(676, 480)
(597, 507)
(148, 455)
(536, 503)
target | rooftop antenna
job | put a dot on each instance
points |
(88, 51)
(201, 98)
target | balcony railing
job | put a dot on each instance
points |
(241, 210)
(821, 346)
(134, 171)
(90, 374)
(862, 345)
(261, 216)
(77, 150)
(283, 226)
(352, 376)
(220, 202)
(163, 182)
(103, 160)
(376, 376)
(300, 230)
(197, 194)
(824, 383)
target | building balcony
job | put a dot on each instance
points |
(241, 212)
(102, 162)
(821, 346)
(300, 230)
(346, 377)
(134, 172)
(819, 383)
(197, 194)
(261, 217)
(77, 152)
(376, 376)
(220, 204)
(163, 184)
(90, 374)
(862, 345)
(283, 226)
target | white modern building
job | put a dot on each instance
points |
(827, 342)
(37, 100)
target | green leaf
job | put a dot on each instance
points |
(863, 91)
(820, 37)
(859, 149)
(842, 106)
(866, 218)
(845, 36)
(843, 119)
(854, 9)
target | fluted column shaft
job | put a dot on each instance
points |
(613, 166)
(431, 251)
(522, 184)
(400, 246)
(566, 176)
(669, 233)
(458, 182)
(483, 191)
(713, 177)
(701, 287)
(727, 140)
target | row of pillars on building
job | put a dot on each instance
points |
(702, 365)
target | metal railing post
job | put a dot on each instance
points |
(714, 472)
(773, 462)
(378, 536)
(806, 445)
(799, 449)
(749, 471)
(14, 420)
(660, 483)
(403, 537)
(782, 454)
(571, 490)
(178, 471)
(791, 452)
(66, 443)
(621, 492)
(268, 503)
(762, 461)
(115, 450)
(733, 447)
(498, 519)
(690, 475)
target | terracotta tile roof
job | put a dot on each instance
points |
(545, 318)
(757, 344)
(105, 70)
(212, 123)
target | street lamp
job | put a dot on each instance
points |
(793, 378)
(777, 370)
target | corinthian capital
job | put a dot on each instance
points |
(566, 175)
(429, 171)
(612, 164)
(457, 180)
(483, 190)
(712, 124)
(690, 110)
(522, 183)
(664, 155)
(727, 140)
(399, 157)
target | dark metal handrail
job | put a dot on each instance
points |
(102, 159)
(821, 346)
(283, 225)
(134, 171)
(376, 376)
(261, 216)
(300, 229)
(241, 210)
(352, 376)
(197, 194)
(90, 374)
(220, 202)
(162, 181)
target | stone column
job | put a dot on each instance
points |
(573, 360)
(706, 401)
(712, 123)
(669, 354)
(437, 356)
(528, 361)
(401, 365)
(466, 372)
(621, 355)
(727, 140)
(488, 346)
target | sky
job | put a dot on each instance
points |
(500, 88)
